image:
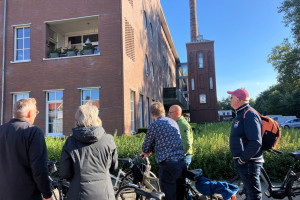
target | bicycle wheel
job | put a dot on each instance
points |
(152, 184)
(293, 186)
(128, 193)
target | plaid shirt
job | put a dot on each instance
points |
(163, 138)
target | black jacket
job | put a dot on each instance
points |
(86, 159)
(23, 162)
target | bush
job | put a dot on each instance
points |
(211, 151)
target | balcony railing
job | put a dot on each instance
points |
(175, 96)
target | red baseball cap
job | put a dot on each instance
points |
(241, 93)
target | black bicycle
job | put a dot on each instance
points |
(135, 192)
(290, 187)
(58, 186)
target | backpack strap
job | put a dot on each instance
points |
(249, 110)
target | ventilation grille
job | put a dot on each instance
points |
(129, 41)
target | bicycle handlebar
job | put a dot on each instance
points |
(275, 151)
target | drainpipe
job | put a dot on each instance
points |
(3, 61)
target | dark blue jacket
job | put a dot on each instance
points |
(245, 138)
(23, 162)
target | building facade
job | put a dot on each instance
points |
(132, 60)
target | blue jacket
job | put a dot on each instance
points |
(245, 138)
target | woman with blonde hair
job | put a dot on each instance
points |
(88, 157)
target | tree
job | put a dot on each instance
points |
(285, 59)
(291, 16)
(225, 104)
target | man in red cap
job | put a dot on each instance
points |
(245, 143)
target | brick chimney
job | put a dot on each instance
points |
(193, 20)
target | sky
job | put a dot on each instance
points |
(244, 31)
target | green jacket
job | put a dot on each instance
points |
(186, 133)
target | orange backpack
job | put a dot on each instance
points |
(270, 132)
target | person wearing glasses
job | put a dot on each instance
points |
(245, 143)
(163, 138)
(23, 156)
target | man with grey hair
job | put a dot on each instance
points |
(23, 156)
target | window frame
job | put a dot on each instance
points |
(192, 84)
(146, 65)
(54, 134)
(14, 94)
(211, 84)
(200, 61)
(132, 110)
(200, 99)
(90, 89)
(16, 43)
(141, 109)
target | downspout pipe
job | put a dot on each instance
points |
(3, 62)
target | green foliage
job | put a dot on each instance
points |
(211, 150)
(86, 47)
(291, 11)
(58, 50)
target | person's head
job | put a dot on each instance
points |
(175, 112)
(157, 109)
(26, 109)
(239, 97)
(87, 115)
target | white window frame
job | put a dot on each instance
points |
(141, 111)
(47, 112)
(14, 98)
(193, 84)
(90, 89)
(200, 60)
(15, 43)
(132, 97)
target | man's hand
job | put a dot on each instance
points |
(145, 155)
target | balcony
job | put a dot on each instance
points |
(173, 96)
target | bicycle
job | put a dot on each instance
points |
(290, 187)
(60, 185)
(139, 174)
(135, 192)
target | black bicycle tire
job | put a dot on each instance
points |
(290, 188)
(128, 194)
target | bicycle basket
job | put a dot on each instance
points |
(138, 171)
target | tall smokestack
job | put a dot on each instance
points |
(193, 20)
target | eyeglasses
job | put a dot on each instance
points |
(173, 112)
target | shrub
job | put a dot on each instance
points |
(211, 151)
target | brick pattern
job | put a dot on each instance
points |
(129, 41)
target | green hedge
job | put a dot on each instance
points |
(211, 150)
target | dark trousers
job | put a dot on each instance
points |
(249, 174)
(171, 180)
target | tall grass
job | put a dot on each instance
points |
(211, 150)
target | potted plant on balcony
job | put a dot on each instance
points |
(72, 51)
(88, 49)
(54, 53)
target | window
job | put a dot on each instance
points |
(193, 84)
(200, 60)
(54, 110)
(141, 112)
(90, 96)
(211, 85)
(145, 20)
(22, 43)
(147, 110)
(132, 95)
(202, 98)
(18, 96)
(152, 71)
(150, 31)
(146, 65)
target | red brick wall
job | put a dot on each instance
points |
(206, 112)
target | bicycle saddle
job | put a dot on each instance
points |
(158, 195)
(295, 155)
(194, 175)
(125, 160)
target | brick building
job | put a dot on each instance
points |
(133, 61)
